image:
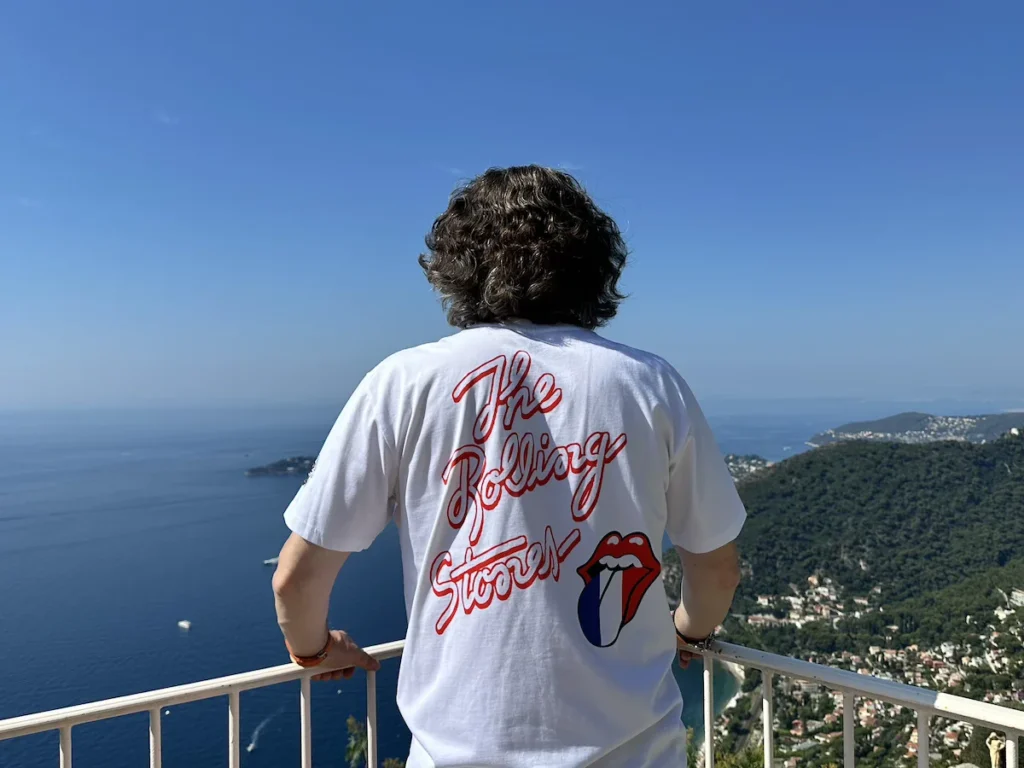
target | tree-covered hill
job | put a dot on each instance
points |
(910, 519)
(929, 620)
(943, 615)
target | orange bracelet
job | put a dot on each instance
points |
(315, 660)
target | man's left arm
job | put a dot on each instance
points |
(343, 506)
(303, 582)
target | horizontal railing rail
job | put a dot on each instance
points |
(926, 703)
(231, 686)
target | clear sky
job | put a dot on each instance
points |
(222, 202)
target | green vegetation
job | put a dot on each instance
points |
(693, 757)
(725, 756)
(671, 574)
(355, 752)
(939, 528)
(942, 616)
(924, 541)
(927, 621)
(910, 519)
(747, 758)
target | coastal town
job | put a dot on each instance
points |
(808, 717)
(742, 467)
(983, 658)
(918, 428)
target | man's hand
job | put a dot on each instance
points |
(302, 588)
(343, 658)
(685, 656)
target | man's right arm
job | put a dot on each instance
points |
(708, 586)
(705, 515)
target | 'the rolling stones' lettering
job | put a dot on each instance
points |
(506, 387)
(477, 482)
(526, 463)
(482, 576)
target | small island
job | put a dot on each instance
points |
(295, 466)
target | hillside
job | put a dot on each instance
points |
(742, 467)
(941, 616)
(928, 620)
(923, 428)
(909, 519)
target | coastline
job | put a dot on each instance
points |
(738, 674)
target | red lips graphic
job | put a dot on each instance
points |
(615, 580)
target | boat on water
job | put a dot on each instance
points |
(270, 561)
(185, 624)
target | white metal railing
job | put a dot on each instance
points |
(926, 703)
(65, 719)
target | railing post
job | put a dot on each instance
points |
(234, 745)
(371, 719)
(923, 703)
(768, 718)
(709, 711)
(1011, 749)
(65, 746)
(923, 738)
(849, 733)
(305, 722)
(155, 739)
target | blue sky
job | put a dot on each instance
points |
(210, 203)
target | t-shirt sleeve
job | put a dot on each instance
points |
(347, 500)
(704, 509)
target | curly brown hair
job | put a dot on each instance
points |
(525, 243)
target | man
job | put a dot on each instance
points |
(532, 468)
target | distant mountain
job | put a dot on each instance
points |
(923, 428)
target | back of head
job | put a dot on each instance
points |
(525, 243)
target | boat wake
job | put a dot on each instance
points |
(259, 728)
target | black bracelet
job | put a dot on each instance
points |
(703, 645)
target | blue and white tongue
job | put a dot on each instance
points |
(602, 604)
(611, 608)
(614, 594)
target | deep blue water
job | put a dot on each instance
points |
(113, 527)
(772, 437)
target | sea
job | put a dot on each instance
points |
(115, 526)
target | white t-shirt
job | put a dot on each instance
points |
(532, 472)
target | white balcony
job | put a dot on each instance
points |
(927, 704)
